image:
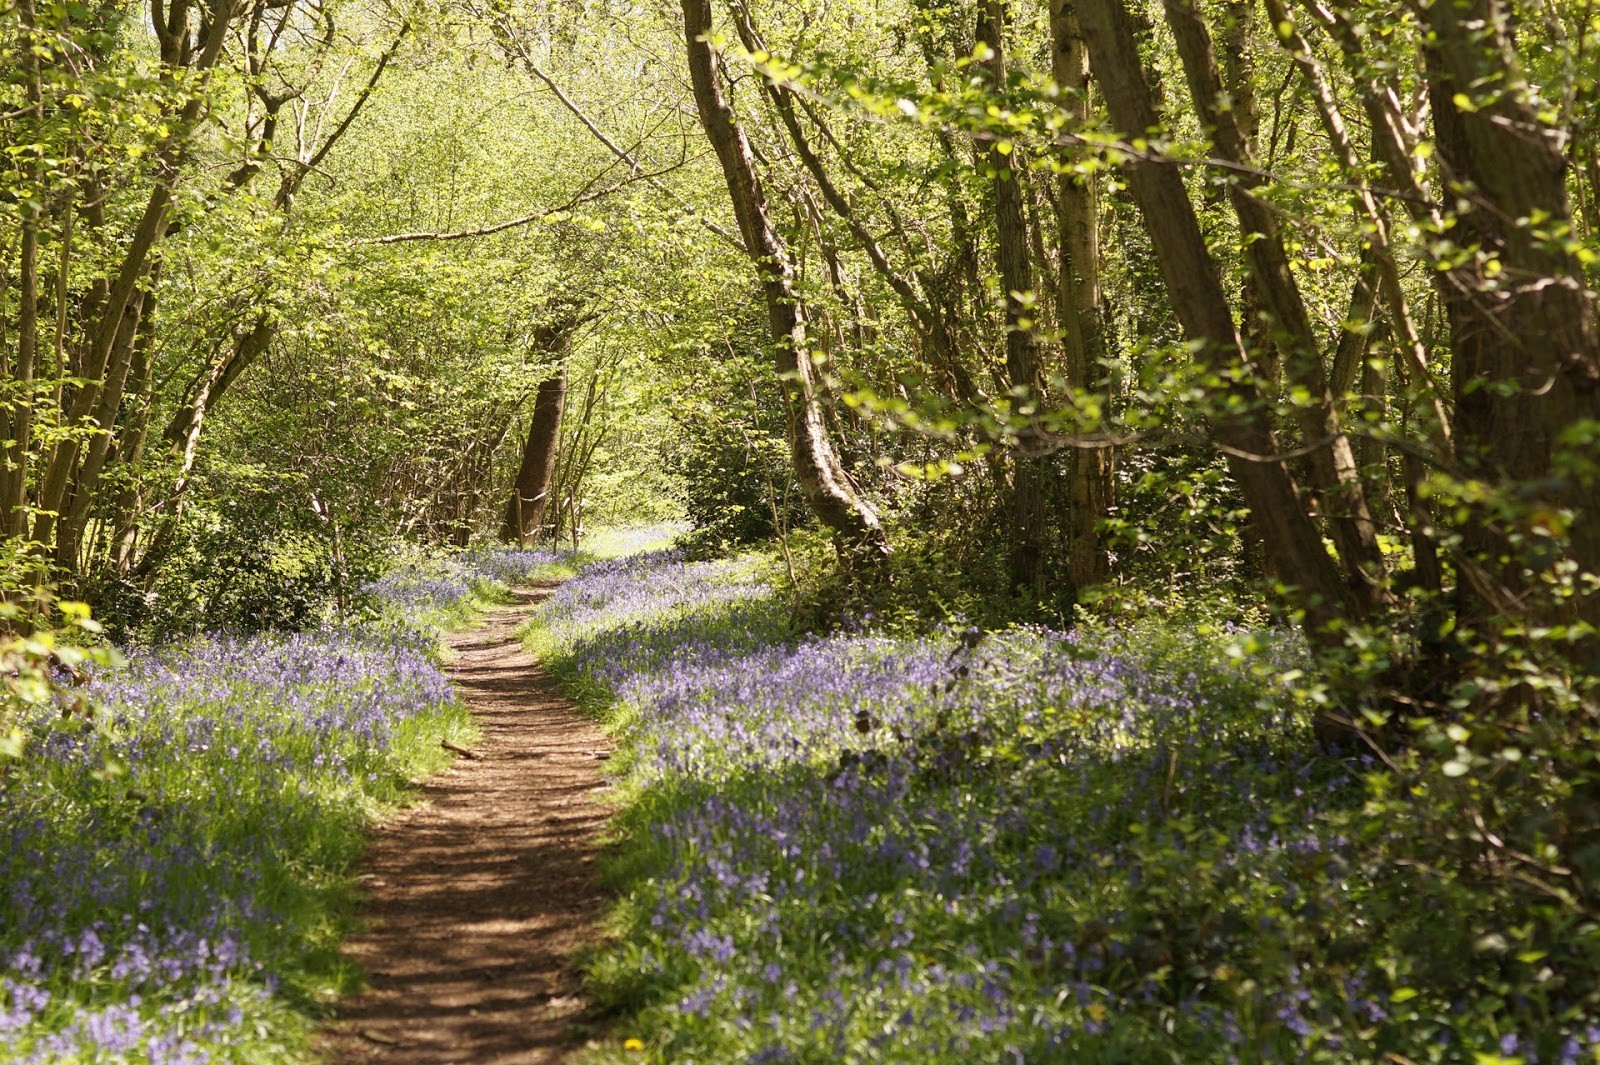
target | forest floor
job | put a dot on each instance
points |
(480, 896)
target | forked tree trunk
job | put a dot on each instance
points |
(104, 356)
(188, 420)
(530, 494)
(183, 432)
(1332, 462)
(1092, 473)
(1194, 286)
(822, 477)
(1393, 145)
(86, 478)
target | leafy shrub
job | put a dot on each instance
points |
(243, 568)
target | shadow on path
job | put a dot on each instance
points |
(481, 894)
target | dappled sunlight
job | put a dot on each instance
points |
(1079, 846)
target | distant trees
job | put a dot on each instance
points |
(1048, 287)
(87, 168)
(268, 301)
(535, 479)
(111, 160)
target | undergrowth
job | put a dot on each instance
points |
(1117, 844)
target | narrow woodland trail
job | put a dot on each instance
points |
(480, 895)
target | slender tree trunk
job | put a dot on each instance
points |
(1194, 286)
(138, 330)
(246, 348)
(98, 361)
(21, 435)
(939, 340)
(1371, 455)
(130, 450)
(575, 461)
(1093, 470)
(821, 475)
(1028, 517)
(183, 431)
(14, 484)
(1394, 143)
(1332, 459)
(86, 477)
(109, 353)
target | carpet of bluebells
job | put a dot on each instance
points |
(175, 874)
(1110, 845)
(442, 586)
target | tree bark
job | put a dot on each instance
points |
(530, 494)
(822, 477)
(136, 323)
(1093, 470)
(1289, 535)
(188, 420)
(1331, 460)
(1522, 318)
(14, 483)
(176, 51)
(1028, 517)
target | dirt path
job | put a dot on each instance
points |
(482, 893)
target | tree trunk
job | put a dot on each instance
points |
(530, 494)
(14, 483)
(822, 477)
(21, 434)
(1288, 533)
(1028, 518)
(99, 356)
(1093, 469)
(130, 449)
(1521, 314)
(1331, 459)
(136, 325)
(247, 347)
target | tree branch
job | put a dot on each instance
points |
(615, 149)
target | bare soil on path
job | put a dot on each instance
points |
(481, 895)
